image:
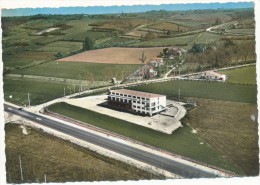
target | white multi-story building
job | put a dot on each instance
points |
(139, 102)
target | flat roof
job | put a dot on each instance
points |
(137, 93)
(213, 73)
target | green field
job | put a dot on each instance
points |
(181, 142)
(80, 70)
(245, 75)
(168, 26)
(26, 58)
(62, 46)
(40, 92)
(178, 41)
(82, 35)
(208, 90)
(207, 38)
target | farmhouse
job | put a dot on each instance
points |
(147, 72)
(139, 102)
(212, 75)
(156, 62)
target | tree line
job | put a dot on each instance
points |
(227, 55)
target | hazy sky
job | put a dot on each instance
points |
(125, 9)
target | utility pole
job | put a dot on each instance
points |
(74, 88)
(179, 94)
(45, 178)
(29, 100)
(64, 92)
(21, 169)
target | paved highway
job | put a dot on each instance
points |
(170, 165)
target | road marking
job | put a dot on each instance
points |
(38, 118)
(10, 108)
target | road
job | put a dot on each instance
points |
(147, 157)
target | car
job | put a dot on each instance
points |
(20, 108)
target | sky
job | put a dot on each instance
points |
(125, 9)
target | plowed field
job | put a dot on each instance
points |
(115, 55)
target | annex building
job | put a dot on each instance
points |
(136, 101)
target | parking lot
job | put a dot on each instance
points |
(165, 122)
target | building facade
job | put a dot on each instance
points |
(139, 102)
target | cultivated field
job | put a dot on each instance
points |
(182, 141)
(228, 128)
(120, 24)
(42, 153)
(114, 55)
(168, 26)
(174, 41)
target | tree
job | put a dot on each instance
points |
(245, 51)
(143, 58)
(217, 21)
(88, 44)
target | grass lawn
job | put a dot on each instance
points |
(42, 153)
(228, 127)
(181, 142)
(80, 70)
(40, 92)
(245, 75)
(208, 90)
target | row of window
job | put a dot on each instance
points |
(145, 108)
(125, 95)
